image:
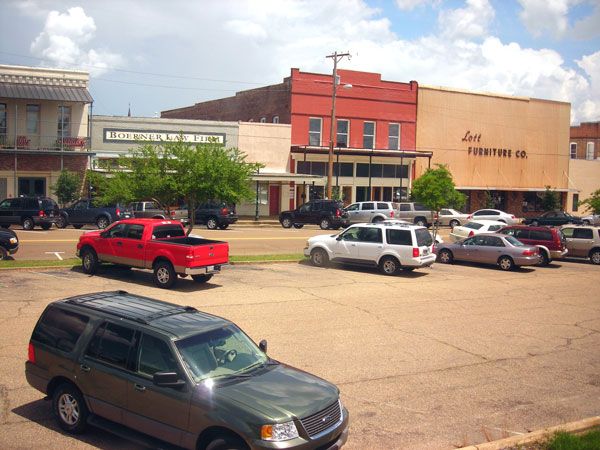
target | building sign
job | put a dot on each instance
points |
(114, 135)
(498, 152)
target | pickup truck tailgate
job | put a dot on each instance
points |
(210, 254)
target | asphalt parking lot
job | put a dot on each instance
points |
(435, 359)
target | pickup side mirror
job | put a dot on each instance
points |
(263, 346)
(168, 379)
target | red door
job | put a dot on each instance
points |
(274, 199)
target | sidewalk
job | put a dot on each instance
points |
(248, 221)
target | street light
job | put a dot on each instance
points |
(335, 81)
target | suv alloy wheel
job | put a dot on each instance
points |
(389, 265)
(28, 223)
(325, 224)
(211, 223)
(286, 222)
(102, 222)
(319, 258)
(69, 408)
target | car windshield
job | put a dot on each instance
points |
(423, 237)
(514, 241)
(220, 353)
(473, 225)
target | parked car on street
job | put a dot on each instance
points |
(29, 212)
(553, 218)
(130, 365)
(475, 227)
(85, 212)
(325, 213)
(361, 212)
(9, 243)
(452, 217)
(591, 219)
(390, 247)
(583, 242)
(550, 240)
(494, 214)
(160, 245)
(502, 250)
(215, 215)
(416, 213)
(150, 210)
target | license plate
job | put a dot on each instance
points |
(51, 214)
(210, 268)
(426, 251)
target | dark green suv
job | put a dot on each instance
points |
(155, 372)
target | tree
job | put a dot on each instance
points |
(489, 200)
(436, 190)
(66, 187)
(593, 202)
(172, 171)
(550, 200)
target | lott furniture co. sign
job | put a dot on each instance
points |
(119, 135)
(476, 150)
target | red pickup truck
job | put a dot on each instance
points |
(160, 245)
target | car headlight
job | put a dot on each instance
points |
(13, 240)
(279, 432)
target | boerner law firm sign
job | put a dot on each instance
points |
(119, 135)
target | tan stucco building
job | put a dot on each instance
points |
(500, 148)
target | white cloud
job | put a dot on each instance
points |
(466, 23)
(588, 109)
(408, 5)
(545, 16)
(62, 40)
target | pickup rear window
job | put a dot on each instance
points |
(168, 231)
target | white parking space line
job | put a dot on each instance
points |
(57, 254)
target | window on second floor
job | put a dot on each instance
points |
(343, 127)
(573, 150)
(64, 121)
(275, 119)
(2, 123)
(589, 151)
(314, 131)
(394, 136)
(369, 135)
(33, 119)
(263, 120)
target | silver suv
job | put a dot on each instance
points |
(361, 212)
(583, 241)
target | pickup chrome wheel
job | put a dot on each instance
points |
(389, 265)
(212, 223)
(102, 222)
(595, 256)
(319, 258)
(506, 263)
(164, 275)
(89, 261)
(69, 408)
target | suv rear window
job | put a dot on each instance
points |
(48, 203)
(423, 237)
(59, 328)
(399, 237)
(540, 235)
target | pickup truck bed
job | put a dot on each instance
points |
(160, 245)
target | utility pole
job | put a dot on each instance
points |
(336, 58)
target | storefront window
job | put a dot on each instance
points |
(345, 169)
(532, 201)
(32, 187)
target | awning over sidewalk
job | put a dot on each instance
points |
(45, 92)
(518, 189)
(286, 177)
(313, 150)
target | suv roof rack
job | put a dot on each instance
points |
(129, 306)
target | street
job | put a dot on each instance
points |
(40, 244)
(434, 359)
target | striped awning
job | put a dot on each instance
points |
(45, 92)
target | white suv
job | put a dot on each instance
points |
(361, 212)
(388, 246)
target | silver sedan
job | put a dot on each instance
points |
(452, 217)
(490, 248)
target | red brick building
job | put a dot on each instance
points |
(585, 141)
(375, 143)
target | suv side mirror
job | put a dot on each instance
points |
(168, 379)
(263, 346)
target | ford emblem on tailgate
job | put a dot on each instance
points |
(211, 254)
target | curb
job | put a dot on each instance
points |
(538, 435)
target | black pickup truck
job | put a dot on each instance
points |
(84, 212)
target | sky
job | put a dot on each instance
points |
(155, 55)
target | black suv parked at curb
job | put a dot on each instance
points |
(215, 215)
(325, 213)
(29, 212)
(9, 243)
(156, 372)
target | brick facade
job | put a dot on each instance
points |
(44, 163)
(584, 133)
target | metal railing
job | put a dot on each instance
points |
(50, 143)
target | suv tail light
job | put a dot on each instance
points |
(172, 213)
(338, 213)
(224, 211)
(530, 252)
(416, 252)
(42, 214)
(31, 353)
(470, 217)
(118, 212)
(392, 214)
(471, 233)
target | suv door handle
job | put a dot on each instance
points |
(84, 368)
(139, 387)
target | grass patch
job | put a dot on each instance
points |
(568, 441)
(70, 262)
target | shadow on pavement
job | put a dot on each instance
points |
(40, 412)
(417, 273)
